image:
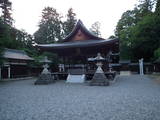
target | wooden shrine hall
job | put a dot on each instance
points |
(80, 45)
(16, 64)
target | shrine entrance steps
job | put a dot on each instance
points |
(76, 78)
(125, 73)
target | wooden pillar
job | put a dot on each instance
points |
(9, 71)
(64, 62)
(154, 68)
(0, 73)
(62, 59)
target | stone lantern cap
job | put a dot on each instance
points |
(45, 60)
(98, 58)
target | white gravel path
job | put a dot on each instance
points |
(129, 98)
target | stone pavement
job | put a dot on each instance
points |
(129, 98)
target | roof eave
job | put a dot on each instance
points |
(53, 46)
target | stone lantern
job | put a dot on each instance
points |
(99, 78)
(45, 77)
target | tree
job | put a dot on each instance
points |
(25, 39)
(6, 5)
(1, 57)
(127, 20)
(5, 35)
(112, 37)
(128, 30)
(69, 24)
(146, 6)
(11, 37)
(157, 53)
(157, 11)
(146, 38)
(95, 28)
(157, 14)
(132, 17)
(123, 32)
(50, 26)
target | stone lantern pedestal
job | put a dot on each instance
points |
(99, 78)
(45, 77)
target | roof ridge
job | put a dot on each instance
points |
(15, 50)
(16, 54)
(78, 25)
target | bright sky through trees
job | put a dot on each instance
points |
(27, 13)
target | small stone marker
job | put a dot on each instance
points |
(141, 66)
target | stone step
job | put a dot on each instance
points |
(125, 73)
(75, 78)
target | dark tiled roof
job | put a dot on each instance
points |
(78, 26)
(91, 42)
(16, 54)
(86, 43)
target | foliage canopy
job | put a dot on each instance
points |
(138, 30)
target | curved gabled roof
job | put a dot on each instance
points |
(80, 26)
(90, 40)
(79, 44)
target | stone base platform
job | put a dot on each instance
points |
(99, 79)
(44, 79)
(99, 84)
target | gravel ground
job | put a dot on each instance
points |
(129, 98)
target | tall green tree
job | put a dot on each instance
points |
(1, 58)
(11, 37)
(157, 14)
(6, 7)
(123, 31)
(25, 39)
(70, 22)
(5, 35)
(157, 53)
(146, 6)
(50, 26)
(157, 11)
(146, 38)
(95, 28)
(127, 20)
(127, 29)
(112, 37)
(132, 17)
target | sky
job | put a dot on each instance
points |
(27, 13)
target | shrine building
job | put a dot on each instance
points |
(81, 44)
